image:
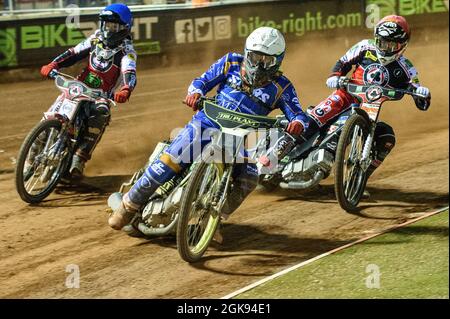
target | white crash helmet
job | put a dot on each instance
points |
(263, 54)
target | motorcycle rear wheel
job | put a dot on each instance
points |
(38, 174)
(197, 221)
(349, 178)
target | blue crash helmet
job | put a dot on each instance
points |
(116, 21)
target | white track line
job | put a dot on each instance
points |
(306, 262)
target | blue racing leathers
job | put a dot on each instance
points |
(225, 74)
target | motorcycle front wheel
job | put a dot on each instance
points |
(350, 179)
(41, 162)
(197, 221)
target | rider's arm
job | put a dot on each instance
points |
(128, 68)
(421, 103)
(290, 106)
(352, 57)
(208, 80)
(75, 54)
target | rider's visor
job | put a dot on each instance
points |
(112, 27)
(388, 47)
(256, 58)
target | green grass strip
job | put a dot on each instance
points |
(408, 262)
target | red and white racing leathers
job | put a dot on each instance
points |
(368, 70)
(107, 69)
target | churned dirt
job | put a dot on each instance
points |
(270, 231)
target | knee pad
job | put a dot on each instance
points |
(98, 117)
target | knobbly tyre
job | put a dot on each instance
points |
(190, 205)
(355, 151)
(46, 153)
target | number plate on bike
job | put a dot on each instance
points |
(371, 110)
(68, 108)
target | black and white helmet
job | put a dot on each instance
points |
(392, 34)
(263, 54)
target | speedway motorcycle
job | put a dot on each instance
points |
(345, 145)
(190, 205)
(355, 151)
(46, 153)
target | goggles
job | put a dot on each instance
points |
(255, 58)
(112, 27)
(388, 47)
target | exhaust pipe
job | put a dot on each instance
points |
(318, 176)
(148, 231)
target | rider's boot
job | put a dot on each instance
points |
(370, 170)
(218, 237)
(159, 172)
(123, 214)
(77, 168)
(365, 195)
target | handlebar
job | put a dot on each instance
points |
(343, 83)
(280, 123)
(54, 73)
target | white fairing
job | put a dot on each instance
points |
(62, 106)
(267, 40)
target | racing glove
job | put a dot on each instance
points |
(332, 82)
(46, 69)
(191, 100)
(122, 96)
(423, 91)
(295, 127)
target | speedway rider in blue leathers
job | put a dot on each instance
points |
(251, 84)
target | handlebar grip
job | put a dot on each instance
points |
(53, 73)
(342, 82)
(284, 124)
(199, 103)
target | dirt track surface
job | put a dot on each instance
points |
(270, 231)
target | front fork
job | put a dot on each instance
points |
(54, 153)
(221, 194)
(366, 160)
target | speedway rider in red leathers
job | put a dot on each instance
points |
(111, 67)
(379, 61)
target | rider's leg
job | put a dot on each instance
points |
(332, 106)
(186, 146)
(245, 180)
(98, 119)
(384, 142)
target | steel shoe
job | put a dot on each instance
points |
(77, 167)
